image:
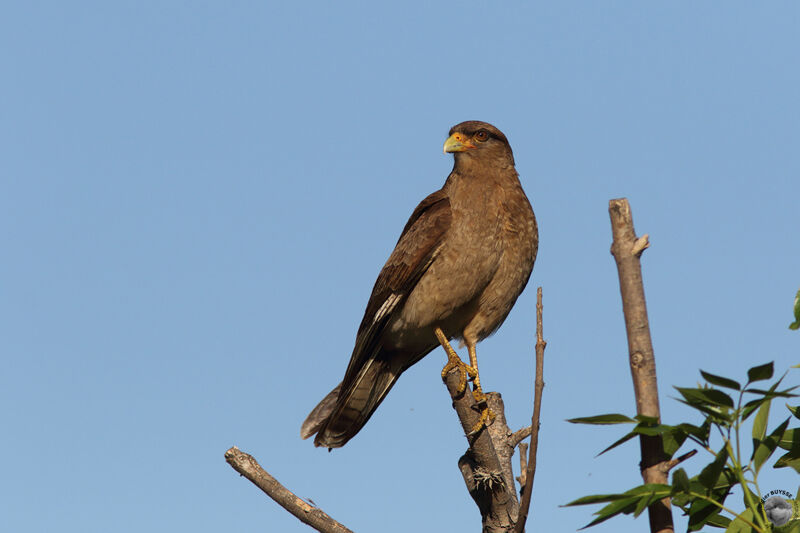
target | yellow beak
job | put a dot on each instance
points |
(457, 142)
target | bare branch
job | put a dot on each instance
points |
(523, 464)
(486, 478)
(538, 387)
(640, 245)
(627, 250)
(519, 436)
(315, 517)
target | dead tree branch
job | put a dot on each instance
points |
(485, 466)
(627, 250)
(537, 407)
(315, 517)
(519, 436)
(485, 477)
(523, 464)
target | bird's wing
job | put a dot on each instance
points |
(416, 249)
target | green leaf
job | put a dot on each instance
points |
(612, 418)
(718, 416)
(710, 474)
(673, 440)
(760, 373)
(626, 506)
(792, 527)
(672, 437)
(769, 394)
(789, 459)
(752, 405)
(701, 433)
(656, 490)
(718, 520)
(794, 410)
(700, 512)
(680, 480)
(647, 420)
(790, 439)
(738, 525)
(595, 498)
(753, 496)
(760, 424)
(767, 446)
(796, 323)
(720, 381)
(641, 505)
(633, 500)
(711, 397)
(623, 440)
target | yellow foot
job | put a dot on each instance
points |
(487, 416)
(454, 362)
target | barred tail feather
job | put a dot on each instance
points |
(336, 419)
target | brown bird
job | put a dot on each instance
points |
(463, 258)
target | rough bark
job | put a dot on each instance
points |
(488, 479)
(315, 517)
(627, 250)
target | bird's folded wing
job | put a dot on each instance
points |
(417, 248)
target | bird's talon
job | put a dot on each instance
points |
(487, 417)
(465, 372)
(480, 397)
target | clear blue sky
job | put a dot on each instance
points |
(197, 197)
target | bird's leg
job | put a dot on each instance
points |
(454, 361)
(477, 392)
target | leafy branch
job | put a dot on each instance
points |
(702, 497)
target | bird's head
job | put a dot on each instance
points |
(474, 142)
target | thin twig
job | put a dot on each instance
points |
(523, 464)
(669, 465)
(315, 517)
(627, 250)
(522, 516)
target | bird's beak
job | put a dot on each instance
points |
(457, 142)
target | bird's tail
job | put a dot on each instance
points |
(340, 415)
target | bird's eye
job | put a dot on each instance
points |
(482, 135)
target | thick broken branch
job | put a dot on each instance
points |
(484, 475)
(627, 250)
(538, 387)
(315, 517)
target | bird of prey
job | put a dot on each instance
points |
(463, 258)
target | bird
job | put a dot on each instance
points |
(462, 260)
